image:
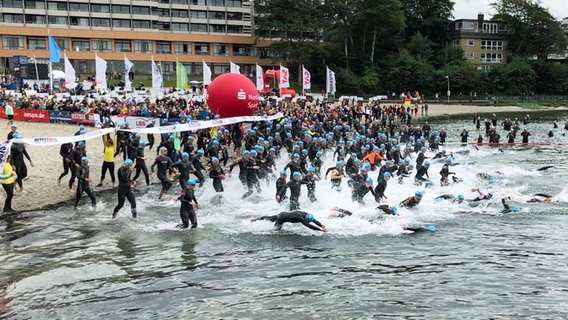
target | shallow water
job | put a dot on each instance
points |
(480, 264)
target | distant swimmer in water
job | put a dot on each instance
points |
(507, 208)
(481, 195)
(450, 197)
(487, 176)
(545, 168)
(540, 197)
(413, 200)
(294, 217)
(337, 212)
(418, 228)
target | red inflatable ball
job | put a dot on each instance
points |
(232, 95)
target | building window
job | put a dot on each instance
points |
(41, 5)
(234, 3)
(218, 15)
(102, 45)
(78, 21)
(470, 55)
(180, 13)
(217, 28)
(198, 27)
(491, 45)
(161, 12)
(100, 8)
(163, 47)
(100, 22)
(36, 43)
(182, 47)
(33, 19)
(180, 26)
(198, 14)
(120, 9)
(140, 10)
(234, 29)
(180, 2)
(140, 24)
(12, 4)
(80, 44)
(57, 20)
(218, 3)
(199, 2)
(220, 49)
(161, 26)
(202, 48)
(60, 6)
(62, 43)
(142, 46)
(456, 43)
(122, 46)
(220, 68)
(120, 23)
(80, 7)
(13, 18)
(490, 27)
(491, 57)
(13, 42)
(235, 16)
(470, 42)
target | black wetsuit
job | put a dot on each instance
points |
(242, 170)
(410, 202)
(186, 211)
(76, 156)
(360, 191)
(420, 173)
(164, 163)
(310, 181)
(184, 168)
(292, 217)
(215, 174)
(295, 189)
(124, 191)
(198, 166)
(141, 166)
(281, 188)
(251, 167)
(386, 209)
(65, 151)
(84, 186)
(445, 173)
(18, 153)
(380, 189)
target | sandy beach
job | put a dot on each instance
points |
(42, 192)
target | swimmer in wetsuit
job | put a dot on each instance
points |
(294, 217)
(124, 190)
(540, 197)
(481, 195)
(188, 202)
(388, 210)
(419, 228)
(507, 208)
(413, 200)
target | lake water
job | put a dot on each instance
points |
(479, 264)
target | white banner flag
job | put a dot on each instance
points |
(69, 74)
(156, 76)
(127, 66)
(259, 78)
(4, 151)
(284, 81)
(235, 68)
(206, 74)
(100, 72)
(330, 84)
(307, 79)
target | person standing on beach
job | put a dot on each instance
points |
(9, 114)
(108, 159)
(124, 189)
(18, 153)
(65, 152)
(7, 181)
(84, 183)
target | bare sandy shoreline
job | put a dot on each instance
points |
(42, 192)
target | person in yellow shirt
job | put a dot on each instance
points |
(108, 159)
(7, 181)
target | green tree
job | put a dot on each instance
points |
(533, 32)
(428, 17)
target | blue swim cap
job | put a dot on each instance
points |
(137, 135)
(191, 182)
(431, 228)
(304, 151)
(200, 152)
(127, 162)
(84, 159)
(461, 197)
(407, 161)
(311, 169)
(339, 163)
(17, 136)
(185, 155)
(215, 142)
(296, 155)
(411, 165)
(386, 175)
(171, 137)
(253, 153)
(296, 174)
(310, 217)
(214, 160)
(190, 138)
(319, 154)
(490, 193)
(430, 183)
(246, 153)
(82, 131)
(394, 209)
(439, 199)
(162, 149)
(427, 163)
(143, 143)
(80, 127)
(357, 161)
(283, 173)
(449, 159)
(419, 193)
(516, 209)
(423, 149)
(388, 162)
(271, 150)
(369, 180)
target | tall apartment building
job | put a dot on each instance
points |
(191, 31)
(484, 42)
